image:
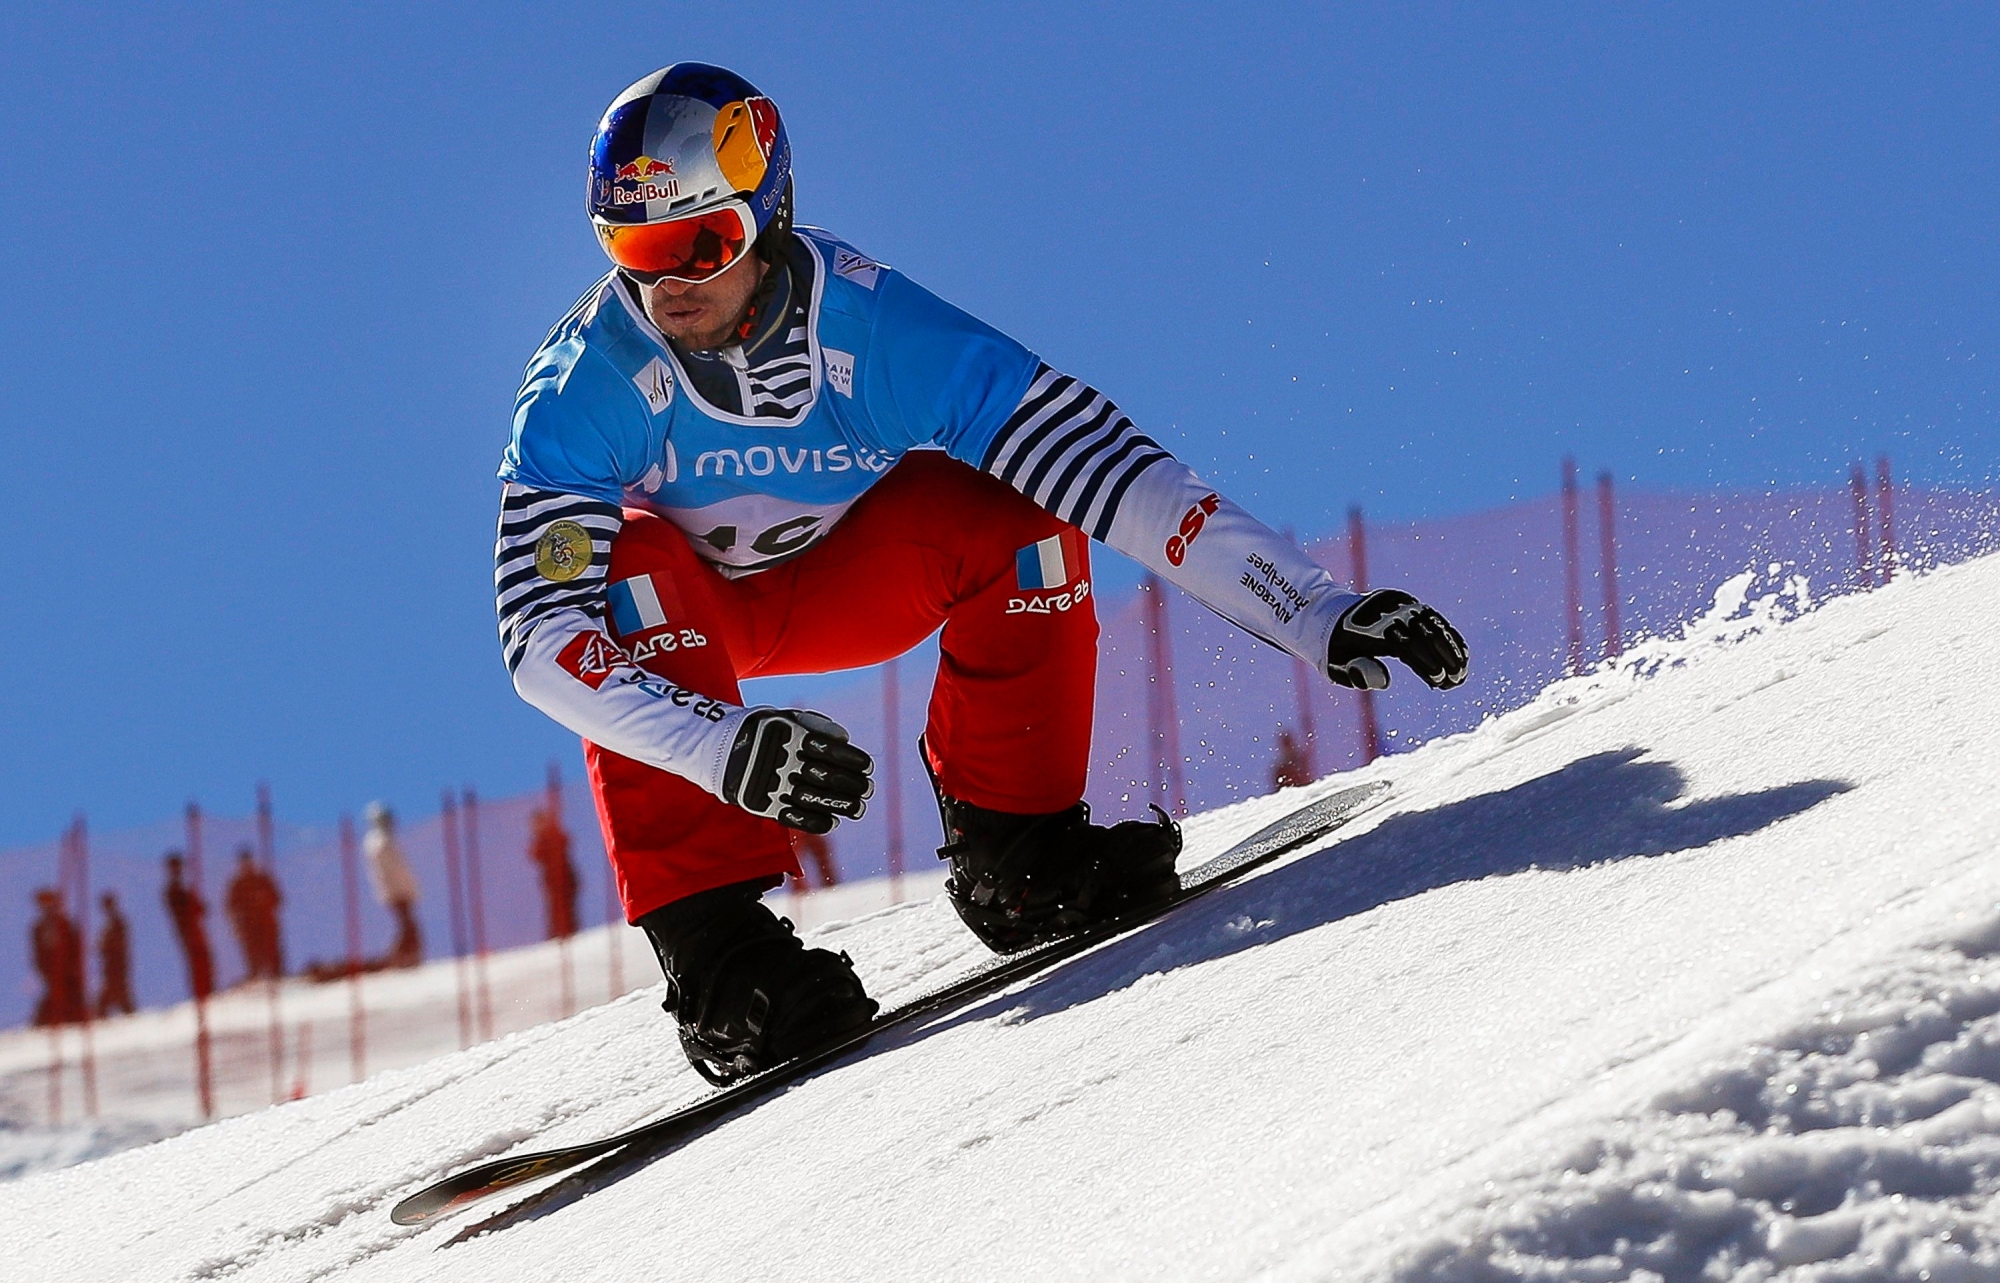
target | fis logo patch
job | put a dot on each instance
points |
(859, 268)
(1052, 563)
(656, 383)
(590, 657)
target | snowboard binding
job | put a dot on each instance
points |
(745, 992)
(1021, 880)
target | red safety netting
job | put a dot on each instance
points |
(307, 866)
(1188, 710)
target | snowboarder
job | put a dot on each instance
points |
(253, 900)
(548, 848)
(187, 909)
(395, 885)
(58, 952)
(714, 474)
(114, 961)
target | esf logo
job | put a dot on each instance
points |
(1049, 603)
(1192, 521)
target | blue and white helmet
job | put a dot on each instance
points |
(686, 140)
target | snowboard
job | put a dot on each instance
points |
(1305, 825)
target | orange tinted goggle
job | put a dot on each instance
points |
(687, 249)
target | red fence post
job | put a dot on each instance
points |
(1162, 708)
(1864, 548)
(1357, 554)
(1607, 547)
(455, 898)
(302, 1084)
(204, 1065)
(476, 903)
(1885, 504)
(350, 886)
(614, 918)
(267, 853)
(80, 853)
(1572, 572)
(1303, 684)
(55, 1075)
(892, 773)
(55, 1101)
(552, 800)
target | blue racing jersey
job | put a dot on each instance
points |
(608, 411)
(756, 455)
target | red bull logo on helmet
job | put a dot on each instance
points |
(642, 179)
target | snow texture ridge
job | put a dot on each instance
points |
(1684, 971)
(1865, 1141)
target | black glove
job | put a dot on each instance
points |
(1394, 624)
(796, 767)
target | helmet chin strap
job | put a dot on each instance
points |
(753, 311)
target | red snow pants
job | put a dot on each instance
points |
(935, 542)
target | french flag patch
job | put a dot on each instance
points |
(1051, 563)
(636, 606)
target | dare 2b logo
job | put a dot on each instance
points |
(1049, 603)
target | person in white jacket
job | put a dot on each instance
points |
(395, 885)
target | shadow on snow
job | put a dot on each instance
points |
(1605, 807)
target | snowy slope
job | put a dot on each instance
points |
(1678, 972)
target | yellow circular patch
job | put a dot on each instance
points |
(563, 552)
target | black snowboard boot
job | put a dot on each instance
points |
(746, 992)
(1018, 880)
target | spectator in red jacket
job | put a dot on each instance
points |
(253, 900)
(187, 909)
(548, 847)
(114, 961)
(58, 952)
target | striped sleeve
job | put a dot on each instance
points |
(549, 574)
(1067, 447)
(523, 596)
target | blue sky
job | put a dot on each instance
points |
(270, 276)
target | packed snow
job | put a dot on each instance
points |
(1689, 969)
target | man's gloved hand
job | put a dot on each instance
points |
(1388, 623)
(796, 767)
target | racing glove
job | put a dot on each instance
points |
(1390, 624)
(796, 767)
